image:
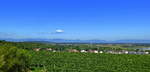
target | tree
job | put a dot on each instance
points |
(12, 59)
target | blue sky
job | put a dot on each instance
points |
(75, 19)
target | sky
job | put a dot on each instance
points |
(75, 19)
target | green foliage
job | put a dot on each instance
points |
(12, 59)
(88, 62)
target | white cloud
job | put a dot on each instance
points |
(59, 31)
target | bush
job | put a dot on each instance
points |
(12, 59)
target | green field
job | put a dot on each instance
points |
(87, 62)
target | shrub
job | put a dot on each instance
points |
(12, 59)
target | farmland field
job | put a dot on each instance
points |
(87, 62)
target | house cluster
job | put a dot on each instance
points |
(127, 52)
(85, 51)
(39, 49)
(96, 51)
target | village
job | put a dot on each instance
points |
(94, 51)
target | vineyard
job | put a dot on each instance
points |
(87, 62)
(21, 57)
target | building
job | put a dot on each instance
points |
(100, 51)
(37, 49)
(49, 49)
(93, 51)
(83, 51)
(73, 50)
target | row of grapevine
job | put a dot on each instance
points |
(88, 62)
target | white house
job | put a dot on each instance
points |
(126, 52)
(100, 51)
(83, 51)
(146, 52)
(95, 51)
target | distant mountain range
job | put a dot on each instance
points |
(75, 41)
